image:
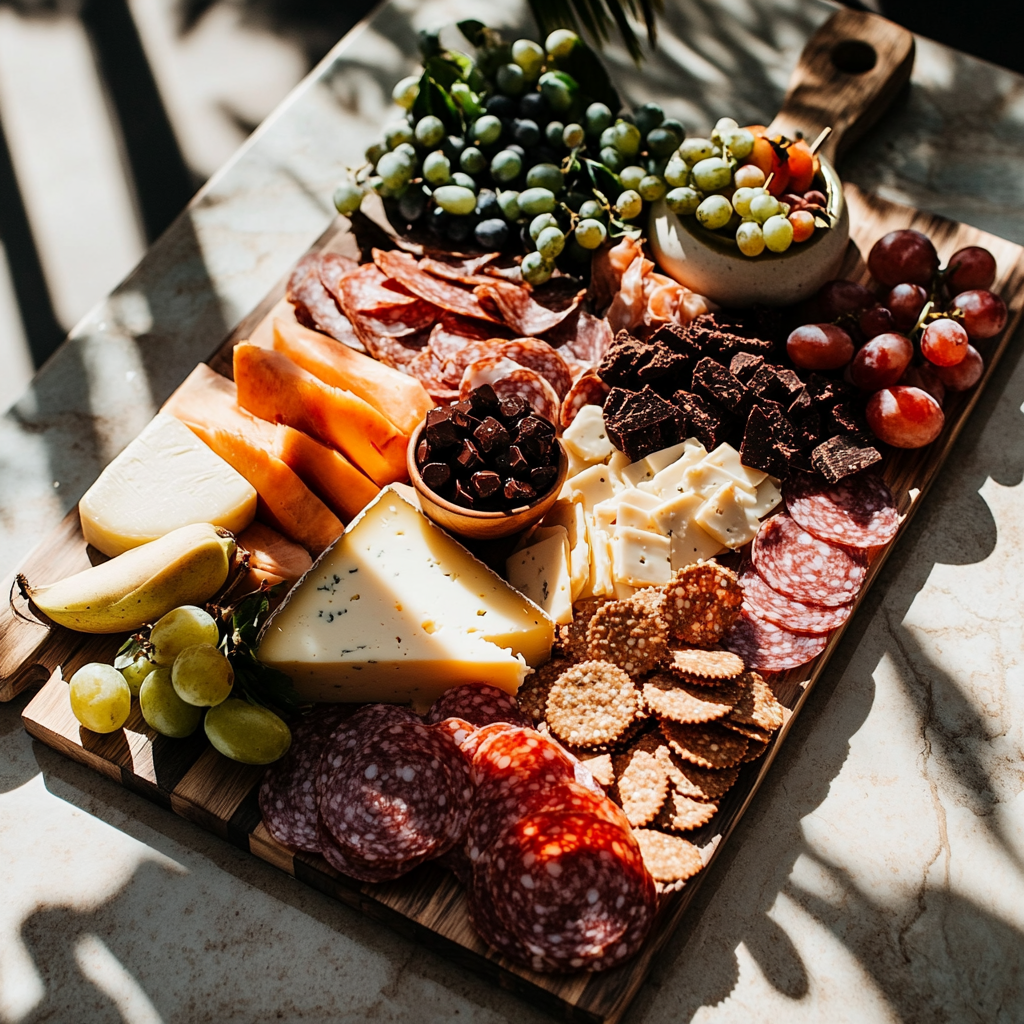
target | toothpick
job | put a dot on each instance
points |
(768, 181)
(825, 133)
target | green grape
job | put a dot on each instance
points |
(739, 142)
(547, 176)
(509, 203)
(661, 142)
(627, 138)
(100, 697)
(590, 233)
(714, 212)
(540, 222)
(750, 238)
(670, 124)
(742, 198)
(597, 118)
(436, 168)
(553, 133)
(164, 710)
(463, 180)
(472, 161)
(394, 170)
(612, 159)
(202, 675)
(592, 210)
(536, 200)
(560, 43)
(409, 151)
(711, 174)
(629, 204)
(487, 129)
(466, 99)
(695, 150)
(648, 117)
(247, 733)
(763, 206)
(529, 56)
(136, 672)
(429, 130)
(397, 133)
(347, 197)
(374, 152)
(677, 172)
(778, 233)
(573, 136)
(725, 124)
(180, 628)
(632, 176)
(683, 201)
(535, 270)
(510, 80)
(455, 199)
(608, 137)
(550, 243)
(505, 166)
(406, 91)
(559, 89)
(651, 188)
(574, 200)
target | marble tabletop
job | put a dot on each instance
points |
(879, 874)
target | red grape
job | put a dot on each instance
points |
(906, 302)
(904, 417)
(876, 321)
(965, 374)
(819, 347)
(926, 378)
(836, 298)
(984, 313)
(973, 267)
(944, 342)
(881, 362)
(904, 255)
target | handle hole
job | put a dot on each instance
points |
(854, 56)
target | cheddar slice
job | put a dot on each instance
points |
(165, 479)
(398, 611)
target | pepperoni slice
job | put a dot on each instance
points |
(766, 647)
(796, 616)
(799, 565)
(539, 356)
(589, 389)
(858, 511)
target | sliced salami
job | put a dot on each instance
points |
(465, 270)
(531, 386)
(520, 753)
(766, 647)
(859, 511)
(784, 611)
(588, 390)
(531, 314)
(458, 728)
(800, 565)
(430, 372)
(401, 267)
(315, 306)
(586, 337)
(476, 739)
(539, 356)
(479, 704)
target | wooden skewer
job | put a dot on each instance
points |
(825, 133)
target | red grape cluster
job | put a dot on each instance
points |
(910, 345)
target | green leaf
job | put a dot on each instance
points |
(586, 68)
(136, 646)
(432, 99)
(602, 179)
(474, 31)
(443, 71)
(595, 17)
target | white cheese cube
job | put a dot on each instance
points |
(690, 542)
(640, 558)
(605, 514)
(659, 460)
(623, 591)
(640, 499)
(579, 554)
(667, 482)
(636, 518)
(616, 464)
(764, 499)
(586, 437)
(576, 466)
(593, 486)
(726, 518)
(705, 478)
(726, 457)
(637, 473)
(541, 573)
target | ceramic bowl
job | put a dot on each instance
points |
(712, 264)
(475, 525)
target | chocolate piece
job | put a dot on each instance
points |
(678, 339)
(512, 409)
(744, 365)
(702, 419)
(616, 400)
(423, 452)
(464, 423)
(842, 456)
(801, 404)
(713, 381)
(465, 406)
(846, 418)
(619, 366)
(647, 423)
(485, 484)
(534, 426)
(464, 495)
(733, 344)
(519, 492)
(542, 478)
(535, 437)
(483, 401)
(789, 383)
(436, 475)
(518, 464)
(808, 428)
(491, 434)
(665, 370)
(759, 449)
(826, 391)
(469, 458)
(439, 430)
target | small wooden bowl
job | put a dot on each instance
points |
(482, 525)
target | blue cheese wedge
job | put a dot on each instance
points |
(541, 572)
(398, 611)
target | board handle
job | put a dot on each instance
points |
(848, 74)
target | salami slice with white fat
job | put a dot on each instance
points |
(477, 703)
(539, 356)
(765, 647)
(508, 378)
(797, 616)
(804, 567)
(858, 511)
(588, 390)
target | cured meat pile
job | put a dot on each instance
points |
(555, 876)
(807, 567)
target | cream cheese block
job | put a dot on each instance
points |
(397, 611)
(165, 479)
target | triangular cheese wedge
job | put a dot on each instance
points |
(398, 611)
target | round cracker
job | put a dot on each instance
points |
(670, 697)
(641, 780)
(592, 704)
(702, 602)
(708, 784)
(629, 635)
(705, 663)
(707, 745)
(668, 858)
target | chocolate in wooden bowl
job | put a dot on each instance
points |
(475, 525)
(847, 75)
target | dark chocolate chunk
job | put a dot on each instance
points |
(615, 401)
(491, 434)
(826, 391)
(436, 475)
(483, 401)
(518, 492)
(702, 419)
(512, 409)
(518, 464)
(808, 428)
(678, 339)
(464, 422)
(744, 365)
(423, 452)
(789, 383)
(842, 456)
(645, 424)
(759, 448)
(468, 457)
(439, 430)
(801, 404)
(485, 484)
(765, 383)
(465, 406)
(733, 344)
(713, 381)
(846, 418)
(534, 426)
(667, 366)
(464, 495)
(542, 478)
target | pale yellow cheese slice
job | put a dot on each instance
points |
(165, 479)
(541, 573)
